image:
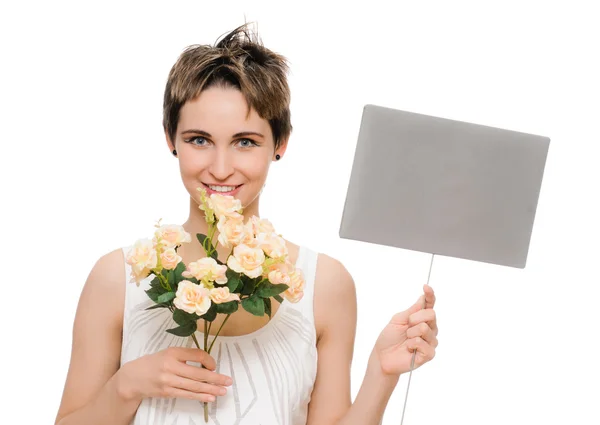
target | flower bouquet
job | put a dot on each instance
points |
(256, 270)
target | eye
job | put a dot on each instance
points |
(247, 143)
(198, 141)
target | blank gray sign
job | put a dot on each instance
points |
(444, 187)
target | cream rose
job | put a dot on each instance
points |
(247, 260)
(171, 235)
(279, 273)
(142, 258)
(225, 206)
(233, 231)
(192, 298)
(222, 295)
(261, 225)
(272, 244)
(296, 290)
(207, 269)
(293, 295)
(169, 259)
(252, 242)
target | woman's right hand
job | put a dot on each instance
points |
(166, 374)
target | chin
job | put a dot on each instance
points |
(248, 202)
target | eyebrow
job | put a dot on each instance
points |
(206, 134)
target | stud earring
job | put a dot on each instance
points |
(174, 152)
(277, 157)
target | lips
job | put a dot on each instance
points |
(222, 189)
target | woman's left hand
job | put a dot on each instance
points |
(410, 330)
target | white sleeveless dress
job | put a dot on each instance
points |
(273, 369)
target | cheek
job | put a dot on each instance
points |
(190, 168)
(191, 165)
(258, 167)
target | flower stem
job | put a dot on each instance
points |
(206, 336)
(218, 332)
(205, 404)
(164, 282)
(211, 235)
(196, 341)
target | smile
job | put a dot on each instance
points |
(222, 190)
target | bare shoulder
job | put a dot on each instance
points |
(332, 275)
(104, 292)
(104, 288)
(109, 270)
(333, 281)
(106, 280)
(335, 294)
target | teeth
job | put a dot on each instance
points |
(221, 188)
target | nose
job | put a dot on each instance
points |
(221, 166)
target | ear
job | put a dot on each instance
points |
(282, 148)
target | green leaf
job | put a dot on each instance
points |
(171, 279)
(183, 317)
(249, 285)
(201, 238)
(205, 242)
(227, 308)
(155, 283)
(185, 330)
(154, 293)
(233, 280)
(211, 314)
(230, 273)
(278, 298)
(177, 273)
(155, 306)
(235, 285)
(166, 297)
(254, 305)
(267, 289)
(208, 246)
(267, 302)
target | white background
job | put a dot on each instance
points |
(84, 163)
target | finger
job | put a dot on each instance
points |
(424, 331)
(429, 296)
(179, 393)
(402, 317)
(421, 330)
(203, 375)
(428, 316)
(187, 384)
(184, 354)
(425, 352)
(427, 299)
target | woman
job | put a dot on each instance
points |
(226, 119)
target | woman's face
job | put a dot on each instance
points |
(222, 148)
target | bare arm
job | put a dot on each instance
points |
(92, 393)
(331, 402)
(336, 328)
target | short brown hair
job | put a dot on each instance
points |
(239, 60)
